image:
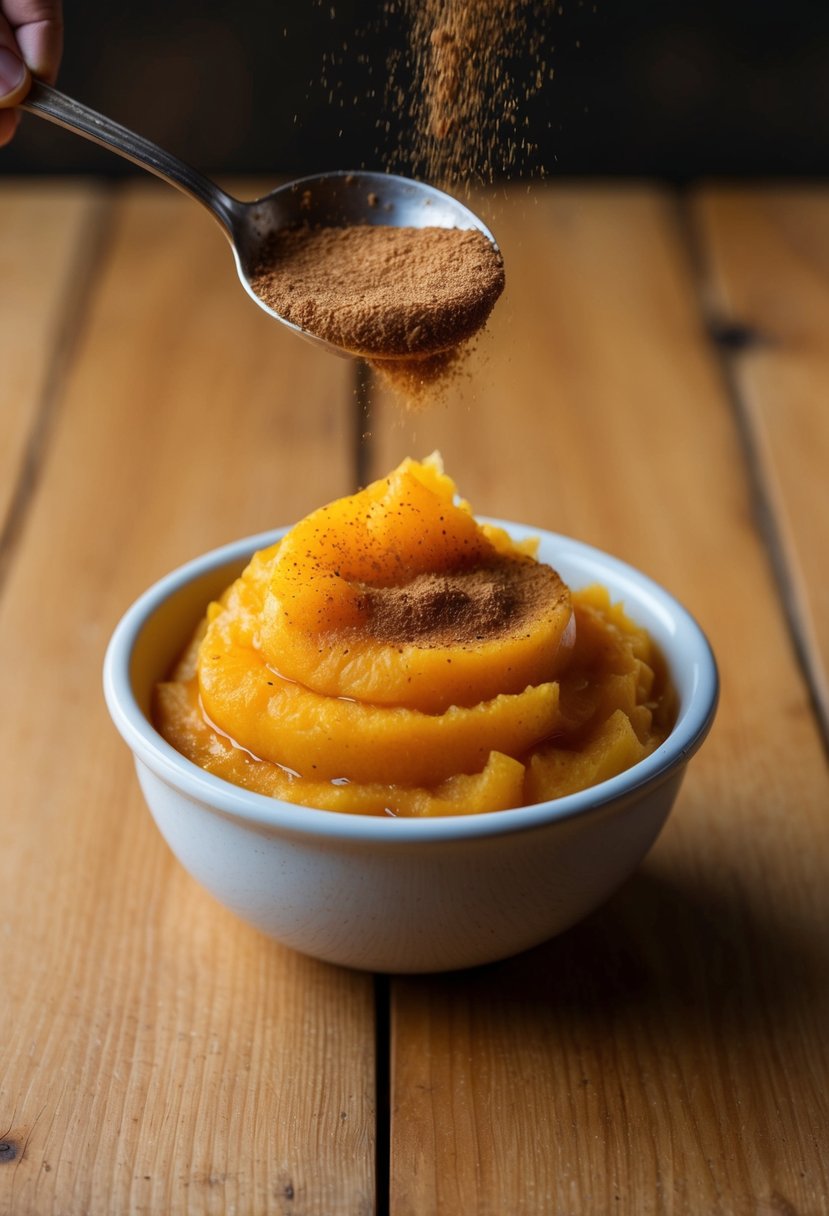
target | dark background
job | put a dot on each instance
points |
(676, 89)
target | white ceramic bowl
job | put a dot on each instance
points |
(405, 895)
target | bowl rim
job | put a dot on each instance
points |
(264, 812)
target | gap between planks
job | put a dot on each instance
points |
(729, 340)
(362, 414)
(77, 295)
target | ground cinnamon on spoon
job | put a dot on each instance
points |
(384, 293)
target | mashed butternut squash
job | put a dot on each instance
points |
(391, 655)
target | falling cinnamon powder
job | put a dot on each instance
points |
(467, 63)
(421, 380)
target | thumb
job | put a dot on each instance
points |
(14, 75)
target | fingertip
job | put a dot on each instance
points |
(15, 80)
(41, 44)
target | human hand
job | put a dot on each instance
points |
(31, 42)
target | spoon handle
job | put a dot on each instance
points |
(56, 107)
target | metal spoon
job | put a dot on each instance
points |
(328, 199)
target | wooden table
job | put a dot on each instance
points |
(656, 382)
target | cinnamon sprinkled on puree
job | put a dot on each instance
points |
(383, 293)
(501, 598)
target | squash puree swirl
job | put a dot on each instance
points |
(392, 655)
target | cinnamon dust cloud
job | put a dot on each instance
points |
(461, 82)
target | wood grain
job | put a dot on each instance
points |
(666, 1056)
(669, 1055)
(765, 255)
(158, 1056)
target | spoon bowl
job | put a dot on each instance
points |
(336, 199)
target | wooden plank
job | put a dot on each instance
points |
(157, 1055)
(669, 1055)
(765, 255)
(47, 236)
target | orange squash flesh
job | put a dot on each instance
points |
(313, 597)
(390, 655)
